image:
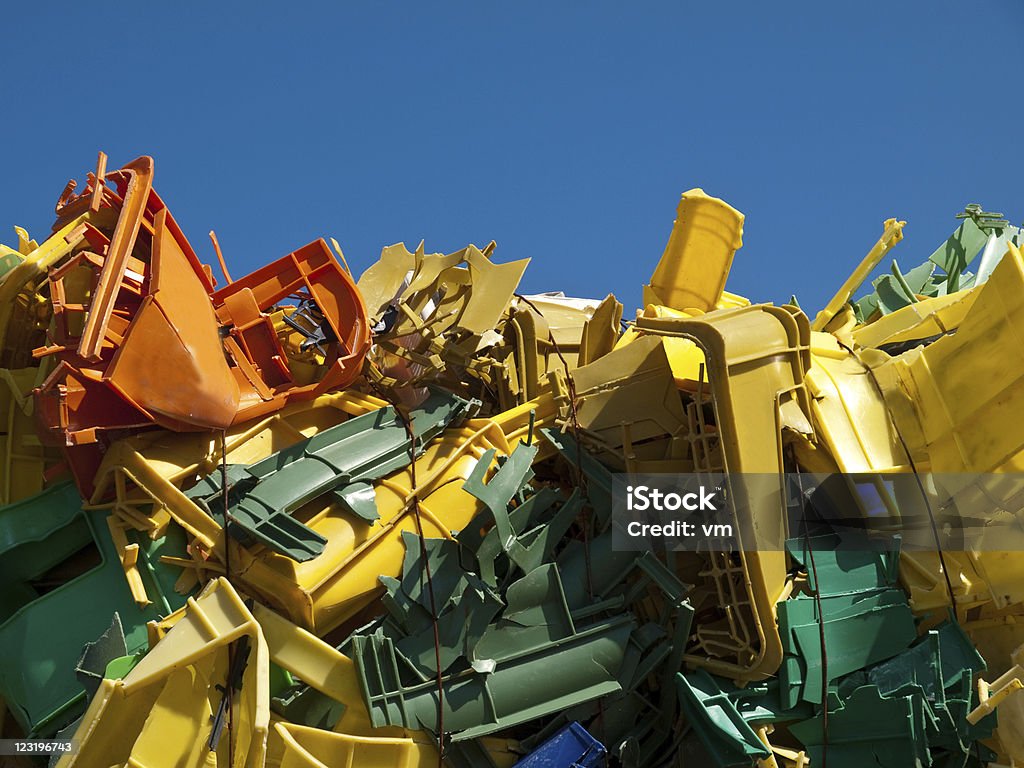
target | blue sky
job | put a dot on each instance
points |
(566, 131)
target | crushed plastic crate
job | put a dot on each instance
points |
(571, 747)
(304, 520)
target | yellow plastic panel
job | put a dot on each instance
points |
(601, 331)
(953, 399)
(849, 414)
(313, 748)
(892, 233)
(317, 664)
(542, 339)
(921, 575)
(921, 320)
(693, 269)
(110, 726)
(200, 641)
(178, 725)
(305, 747)
(160, 713)
(23, 456)
(633, 384)
(684, 356)
(1011, 718)
(216, 618)
(955, 402)
(731, 301)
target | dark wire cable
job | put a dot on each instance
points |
(921, 488)
(821, 618)
(430, 585)
(229, 686)
(428, 576)
(581, 478)
(574, 424)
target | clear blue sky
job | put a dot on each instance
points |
(566, 131)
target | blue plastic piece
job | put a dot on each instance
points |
(571, 747)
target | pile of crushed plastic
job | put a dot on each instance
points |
(302, 520)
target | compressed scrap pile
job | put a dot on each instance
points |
(298, 519)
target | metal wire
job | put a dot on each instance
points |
(581, 478)
(229, 686)
(921, 488)
(430, 585)
(821, 620)
(427, 575)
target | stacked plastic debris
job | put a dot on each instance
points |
(304, 520)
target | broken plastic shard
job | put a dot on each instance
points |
(571, 747)
(722, 730)
(98, 655)
(464, 606)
